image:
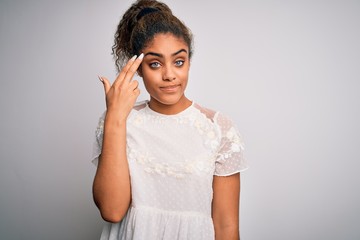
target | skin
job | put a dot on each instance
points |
(225, 207)
(112, 199)
(166, 64)
(165, 70)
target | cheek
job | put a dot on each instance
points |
(150, 79)
(147, 74)
(183, 74)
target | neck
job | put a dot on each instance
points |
(170, 109)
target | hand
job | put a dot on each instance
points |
(122, 94)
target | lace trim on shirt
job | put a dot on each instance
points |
(205, 128)
(234, 144)
(203, 164)
(99, 132)
(224, 143)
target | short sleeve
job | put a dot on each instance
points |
(97, 146)
(230, 156)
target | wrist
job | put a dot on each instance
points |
(114, 120)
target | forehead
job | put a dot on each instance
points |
(166, 43)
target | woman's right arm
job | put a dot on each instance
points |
(111, 187)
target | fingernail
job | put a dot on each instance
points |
(133, 58)
(141, 56)
(101, 80)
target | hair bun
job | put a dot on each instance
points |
(138, 26)
(146, 11)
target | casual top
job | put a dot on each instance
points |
(172, 160)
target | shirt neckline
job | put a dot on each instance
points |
(182, 113)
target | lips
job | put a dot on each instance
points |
(171, 88)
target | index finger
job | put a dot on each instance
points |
(123, 71)
(133, 68)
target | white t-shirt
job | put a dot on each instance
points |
(172, 161)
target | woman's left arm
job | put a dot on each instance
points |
(225, 207)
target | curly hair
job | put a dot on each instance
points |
(138, 26)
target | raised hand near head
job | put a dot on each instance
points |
(122, 94)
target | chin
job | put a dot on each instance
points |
(169, 99)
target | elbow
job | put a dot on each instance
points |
(111, 211)
(112, 208)
(112, 216)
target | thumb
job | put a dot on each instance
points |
(106, 83)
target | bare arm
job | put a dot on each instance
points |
(111, 187)
(225, 207)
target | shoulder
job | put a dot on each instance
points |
(137, 110)
(215, 116)
(137, 107)
(207, 112)
(140, 105)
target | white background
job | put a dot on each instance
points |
(287, 72)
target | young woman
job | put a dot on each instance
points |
(167, 168)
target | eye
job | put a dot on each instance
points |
(179, 63)
(154, 64)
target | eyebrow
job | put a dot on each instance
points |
(160, 55)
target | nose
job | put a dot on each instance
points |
(168, 74)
